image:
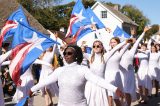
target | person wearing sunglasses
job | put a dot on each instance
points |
(96, 96)
(72, 79)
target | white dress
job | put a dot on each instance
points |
(23, 90)
(154, 70)
(46, 70)
(71, 80)
(143, 77)
(95, 95)
(127, 69)
(112, 74)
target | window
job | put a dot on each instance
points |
(104, 14)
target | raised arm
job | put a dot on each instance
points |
(110, 53)
(124, 48)
(52, 78)
(37, 61)
(3, 57)
(135, 46)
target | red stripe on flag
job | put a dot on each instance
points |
(17, 69)
(9, 24)
(72, 21)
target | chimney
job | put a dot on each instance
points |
(116, 7)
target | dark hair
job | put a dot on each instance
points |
(154, 47)
(144, 44)
(78, 53)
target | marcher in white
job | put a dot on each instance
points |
(98, 61)
(52, 89)
(112, 74)
(72, 79)
(127, 70)
(144, 80)
(154, 70)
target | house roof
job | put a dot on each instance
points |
(117, 13)
(158, 32)
(8, 6)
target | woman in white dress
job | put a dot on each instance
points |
(98, 61)
(154, 70)
(127, 71)
(72, 79)
(51, 90)
(95, 95)
(144, 80)
(112, 74)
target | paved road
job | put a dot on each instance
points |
(39, 101)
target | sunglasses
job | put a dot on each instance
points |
(67, 53)
(97, 46)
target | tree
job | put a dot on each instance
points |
(137, 16)
(152, 31)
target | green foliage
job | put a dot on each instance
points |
(152, 31)
(88, 3)
(137, 16)
(52, 17)
(55, 17)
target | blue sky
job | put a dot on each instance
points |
(150, 8)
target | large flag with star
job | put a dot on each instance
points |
(79, 22)
(118, 32)
(11, 24)
(94, 19)
(27, 46)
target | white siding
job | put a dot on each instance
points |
(111, 21)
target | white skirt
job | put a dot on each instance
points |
(95, 95)
(53, 88)
(23, 90)
(82, 103)
(129, 84)
(114, 78)
(154, 73)
(144, 79)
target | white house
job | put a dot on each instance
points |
(156, 36)
(111, 17)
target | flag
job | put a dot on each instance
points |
(78, 22)
(94, 19)
(23, 101)
(118, 32)
(28, 44)
(80, 33)
(12, 23)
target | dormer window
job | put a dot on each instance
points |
(104, 14)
